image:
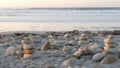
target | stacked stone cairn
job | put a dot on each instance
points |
(82, 47)
(28, 48)
(109, 54)
(83, 40)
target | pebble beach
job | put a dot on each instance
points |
(59, 34)
(61, 49)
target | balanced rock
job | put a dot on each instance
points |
(28, 51)
(109, 59)
(110, 50)
(27, 46)
(110, 45)
(28, 56)
(84, 40)
(26, 42)
(109, 40)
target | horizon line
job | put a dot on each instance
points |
(59, 7)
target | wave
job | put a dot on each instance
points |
(60, 12)
(60, 15)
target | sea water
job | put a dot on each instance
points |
(59, 19)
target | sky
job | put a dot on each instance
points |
(58, 3)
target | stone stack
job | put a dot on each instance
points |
(83, 40)
(109, 54)
(110, 45)
(28, 48)
(110, 49)
(36, 39)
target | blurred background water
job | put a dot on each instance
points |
(59, 19)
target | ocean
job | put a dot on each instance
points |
(59, 19)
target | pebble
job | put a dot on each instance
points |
(98, 57)
(109, 59)
(45, 46)
(10, 51)
(28, 46)
(71, 62)
(78, 53)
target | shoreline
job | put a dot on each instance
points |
(97, 31)
(15, 26)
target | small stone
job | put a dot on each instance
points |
(27, 42)
(98, 57)
(28, 46)
(118, 50)
(50, 66)
(71, 62)
(66, 36)
(10, 51)
(110, 50)
(35, 39)
(81, 42)
(56, 53)
(26, 38)
(66, 49)
(76, 38)
(95, 65)
(110, 37)
(78, 53)
(28, 51)
(109, 59)
(83, 38)
(73, 42)
(83, 35)
(31, 66)
(86, 51)
(28, 56)
(99, 50)
(109, 41)
(19, 53)
(45, 46)
(110, 45)
(60, 41)
(93, 47)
